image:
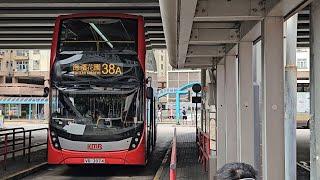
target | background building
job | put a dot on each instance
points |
(163, 67)
(303, 86)
(23, 76)
(170, 78)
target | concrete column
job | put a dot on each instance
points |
(221, 116)
(232, 107)
(315, 91)
(46, 112)
(203, 107)
(257, 100)
(291, 99)
(246, 128)
(273, 99)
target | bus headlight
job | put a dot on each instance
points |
(55, 140)
(135, 139)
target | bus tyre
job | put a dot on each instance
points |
(73, 165)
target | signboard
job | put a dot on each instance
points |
(196, 99)
(97, 69)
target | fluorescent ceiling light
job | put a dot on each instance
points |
(100, 34)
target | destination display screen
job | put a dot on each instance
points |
(106, 69)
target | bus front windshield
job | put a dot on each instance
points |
(98, 34)
(96, 90)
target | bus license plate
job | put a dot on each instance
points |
(94, 161)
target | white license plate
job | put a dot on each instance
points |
(94, 161)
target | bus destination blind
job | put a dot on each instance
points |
(97, 69)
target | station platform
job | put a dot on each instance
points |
(188, 166)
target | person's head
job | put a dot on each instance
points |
(233, 171)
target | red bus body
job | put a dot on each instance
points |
(137, 156)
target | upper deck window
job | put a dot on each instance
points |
(98, 34)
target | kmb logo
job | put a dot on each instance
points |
(94, 146)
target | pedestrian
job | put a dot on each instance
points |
(184, 116)
(234, 171)
(159, 115)
(171, 113)
(10, 114)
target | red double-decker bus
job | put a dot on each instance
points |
(101, 103)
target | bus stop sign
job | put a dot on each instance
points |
(196, 99)
(196, 88)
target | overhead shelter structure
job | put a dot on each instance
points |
(177, 91)
(28, 24)
(239, 44)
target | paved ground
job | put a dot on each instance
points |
(165, 133)
(188, 166)
(20, 163)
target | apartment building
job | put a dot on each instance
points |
(23, 76)
(163, 66)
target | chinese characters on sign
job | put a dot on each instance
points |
(97, 69)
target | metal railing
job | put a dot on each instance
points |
(11, 143)
(173, 162)
(203, 142)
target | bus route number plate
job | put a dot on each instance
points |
(94, 161)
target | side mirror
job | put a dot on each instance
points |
(149, 93)
(46, 92)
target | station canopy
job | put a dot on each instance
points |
(23, 100)
(208, 30)
(28, 24)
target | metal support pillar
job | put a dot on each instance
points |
(291, 99)
(9, 110)
(273, 99)
(232, 107)
(246, 126)
(177, 107)
(30, 111)
(221, 116)
(315, 91)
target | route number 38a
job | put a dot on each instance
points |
(111, 69)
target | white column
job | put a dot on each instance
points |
(221, 116)
(291, 99)
(246, 103)
(315, 91)
(273, 99)
(232, 107)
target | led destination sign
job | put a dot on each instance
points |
(97, 69)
